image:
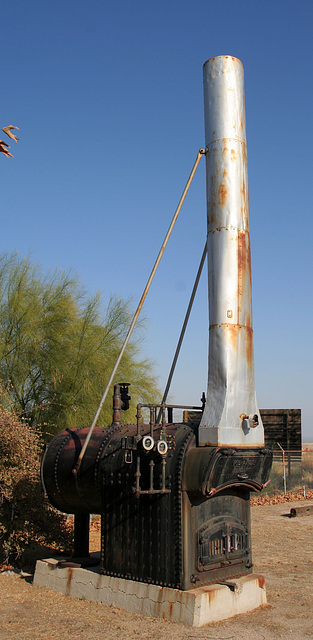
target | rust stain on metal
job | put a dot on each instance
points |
(249, 347)
(243, 188)
(241, 265)
(233, 334)
(233, 155)
(243, 247)
(233, 331)
(225, 148)
(244, 154)
(244, 289)
(261, 581)
(213, 213)
(243, 262)
(222, 194)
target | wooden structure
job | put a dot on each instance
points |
(283, 426)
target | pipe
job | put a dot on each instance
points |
(183, 330)
(231, 397)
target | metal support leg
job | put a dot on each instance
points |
(81, 536)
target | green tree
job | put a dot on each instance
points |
(58, 347)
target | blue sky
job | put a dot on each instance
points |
(108, 98)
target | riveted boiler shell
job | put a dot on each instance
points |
(103, 465)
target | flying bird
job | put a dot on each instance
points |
(7, 130)
(4, 149)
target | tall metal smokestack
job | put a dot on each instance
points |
(231, 415)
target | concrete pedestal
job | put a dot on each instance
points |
(195, 608)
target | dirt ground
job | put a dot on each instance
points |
(283, 553)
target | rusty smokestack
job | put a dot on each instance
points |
(231, 415)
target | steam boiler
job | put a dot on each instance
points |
(174, 498)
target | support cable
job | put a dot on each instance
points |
(201, 152)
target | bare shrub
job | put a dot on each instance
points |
(27, 521)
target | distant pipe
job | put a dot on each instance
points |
(284, 467)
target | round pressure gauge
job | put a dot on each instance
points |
(148, 443)
(162, 447)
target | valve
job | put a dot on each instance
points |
(125, 398)
(249, 422)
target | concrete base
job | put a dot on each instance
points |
(195, 608)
